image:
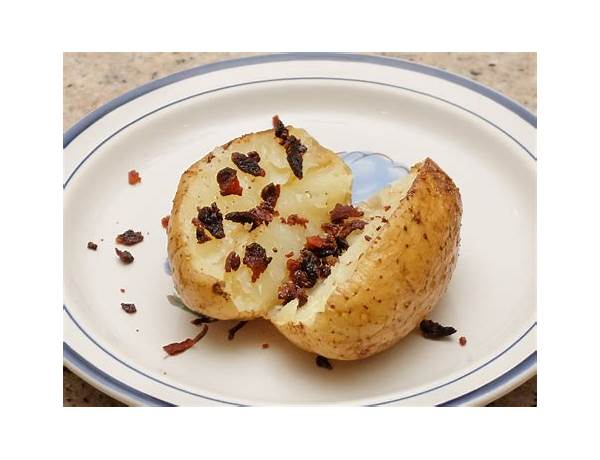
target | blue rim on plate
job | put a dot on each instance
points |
(84, 367)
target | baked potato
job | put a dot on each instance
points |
(393, 273)
(341, 281)
(199, 268)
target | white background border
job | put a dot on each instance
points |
(568, 267)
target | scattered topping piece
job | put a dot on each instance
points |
(248, 163)
(129, 238)
(367, 237)
(386, 208)
(322, 247)
(293, 147)
(179, 347)
(265, 345)
(256, 259)
(433, 330)
(350, 226)
(289, 291)
(270, 194)
(212, 220)
(128, 307)
(231, 332)
(262, 214)
(280, 130)
(289, 254)
(295, 219)
(202, 319)
(330, 228)
(323, 362)
(211, 156)
(307, 269)
(122, 290)
(133, 177)
(342, 212)
(125, 256)
(463, 341)
(232, 262)
(165, 221)
(93, 246)
(228, 182)
(201, 236)
(295, 150)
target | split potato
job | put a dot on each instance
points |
(392, 275)
(385, 277)
(199, 269)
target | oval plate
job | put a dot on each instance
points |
(406, 111)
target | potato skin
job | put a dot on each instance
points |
(399, 279)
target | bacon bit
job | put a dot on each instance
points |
(256, 259)
(293, 147)
(231, 332)
(280, 130)
(232, 262)
(307, 269)
(212, 220)
(289, 254)
(211, 156)
(128, 308)
(292, 265)
(384, 220)
(265, 346)
(462, 341)
(332, 229)
(433, 330)
(342, 211)
(124, 256)
(248, 163)
(228, 182)
(93, 246)
(262, 214)
(122, 290)
(133, 177)
(165, 221)
(323, 247)
(129, 238)
(201, 236)
(179, 347)
(386, 208)
(202, 319)
(349, 227)
(295, 219)
(294, 150)
(318, 242)
(270, 194)
(323, 362)
(289, 291)
(367, 237)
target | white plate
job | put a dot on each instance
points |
(485, 141)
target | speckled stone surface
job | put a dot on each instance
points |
(92, 79)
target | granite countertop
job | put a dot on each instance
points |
(92, 79)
